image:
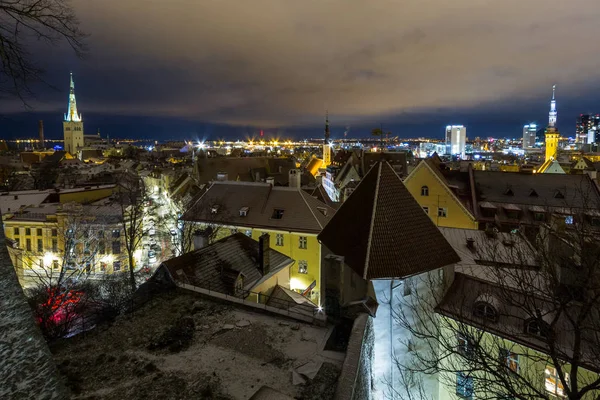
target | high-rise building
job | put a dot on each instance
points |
(529, 132)
(72, 124)
(586, 128)
(456, 139)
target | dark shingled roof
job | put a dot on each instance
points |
(383, 232)
(216, 267)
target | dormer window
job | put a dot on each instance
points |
(486, 311)
(322, 210)
(536, 327)
(533, 193)
(277, 213)
(214, 209)
(508, 192)
(558, 195)
(424, 191)
(244, 211)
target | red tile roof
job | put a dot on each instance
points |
(382, 231)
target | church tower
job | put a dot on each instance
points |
(72, 124)
(326, 145)
(552, 134)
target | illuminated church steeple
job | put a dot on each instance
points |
(72, 123)
(326, 145)
(552, 114)
(552, 134)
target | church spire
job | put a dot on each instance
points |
(552, 115)
(326, 127)
(72, 115)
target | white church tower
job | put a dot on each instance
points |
(72, 124)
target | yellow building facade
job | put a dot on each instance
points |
(39, 245)
(431, 191)
(522, 363)
(305, 273)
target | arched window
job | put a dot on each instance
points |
(424, 191)
(486, 311)
(536, 327)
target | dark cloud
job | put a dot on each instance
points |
(283, 62)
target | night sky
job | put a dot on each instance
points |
(228, 68)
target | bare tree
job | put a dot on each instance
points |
(131, 198)
(58, 288)
(522, 320)
(24, 21)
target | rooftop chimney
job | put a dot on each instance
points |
(264, 254)
(41, 133)
(201, 237)
(271, 181)
(470, 243)
(295, 178)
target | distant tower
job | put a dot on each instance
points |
(41, 133)
(552, 134)
(326, 145)
(456, 139)
(72, 124)
(529, 132)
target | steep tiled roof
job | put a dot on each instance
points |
(382, 231)
(216, 267)
(301, 212)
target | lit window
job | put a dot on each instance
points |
(426, 209)
(249, 232)
(553, 383)
(569, 220)
(302, 267)
(279, 239)
(302, 242)
(424, 191)
(464, 385)
(486, 311)
(510, 359)
(442, 212)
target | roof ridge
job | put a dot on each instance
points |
(370, 238)
(310, 208)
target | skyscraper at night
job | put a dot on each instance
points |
(456, 138)
(587, 127)
(529, 132)
(72, 124)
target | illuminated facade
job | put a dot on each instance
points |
(456, 139)
(72, 124)
(587, 129)
(529, 132)
(72, 238)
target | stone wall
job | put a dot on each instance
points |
(27, 369)
(356, 380)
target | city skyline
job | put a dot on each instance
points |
(231, 70)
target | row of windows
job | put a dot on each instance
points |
(442, 211)
(39, 231)
(302, 241)
(533, 326)
(115, 233)
(116, 246)
(88, 267)
(465, 384)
